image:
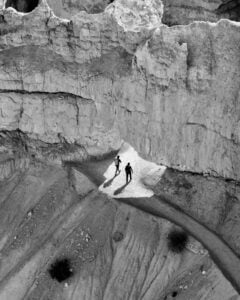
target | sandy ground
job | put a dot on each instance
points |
(222, 254)
(116, 185)
(116, 251)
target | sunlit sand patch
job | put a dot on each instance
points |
(116, 186)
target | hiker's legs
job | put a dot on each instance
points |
(126, 177)
(118, 169)
(130, 175)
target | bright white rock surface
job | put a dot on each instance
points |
(141, 169)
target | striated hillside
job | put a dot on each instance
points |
(77, 78)
(115, 252)
(91, 79)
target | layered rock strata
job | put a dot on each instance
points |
(184, 12)
(94, 80)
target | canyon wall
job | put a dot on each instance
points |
(98, 79)
(79, 86)
(182, 12)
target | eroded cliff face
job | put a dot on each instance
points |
(184, 12)
(94, 80)
(77, 87)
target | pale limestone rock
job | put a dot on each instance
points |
(136, 15)
(182, 12)
(10, 108)
(172, 93)
(68, 8)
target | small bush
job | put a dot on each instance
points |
(118, 236)
(60, 270)
(174, 294)
(177, 241)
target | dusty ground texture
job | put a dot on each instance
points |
(214, 202)
(72, 89)
(116, 252)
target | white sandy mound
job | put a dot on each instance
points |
(115, 186)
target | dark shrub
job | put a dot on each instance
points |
(117, 236)
(60, 270)
(177, 241)
(174, 294)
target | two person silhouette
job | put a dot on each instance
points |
(128, 169)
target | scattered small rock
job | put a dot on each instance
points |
(117, 236)
(30, 213)
(87, 237)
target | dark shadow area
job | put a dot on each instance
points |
(24, 6)
(118, 236)
(229, 9)
(120, 190)
(60, 270)
(174, 294)
(177, 241)
(110, 181)
(94, 167)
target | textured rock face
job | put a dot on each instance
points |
(180, 12)
(69, 8)
(78, 87)
(173, 93)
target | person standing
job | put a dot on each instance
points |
(117, 165)
(129, 171)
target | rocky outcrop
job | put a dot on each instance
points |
(69, 8)
(182, 12)
(173, 93)
(76, 87)
(230, 9)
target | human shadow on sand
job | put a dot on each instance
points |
(110, 181)
(120, 190)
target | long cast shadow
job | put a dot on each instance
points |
(109, 182)
(120, 190)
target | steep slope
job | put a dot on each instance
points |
(73, 89)
(100, 75)
(115, 252)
